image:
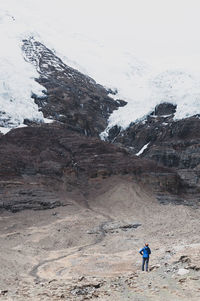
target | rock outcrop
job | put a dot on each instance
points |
(71, 97)
(172, 143)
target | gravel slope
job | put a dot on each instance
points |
(89, 249)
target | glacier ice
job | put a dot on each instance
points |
(17, 79)
(142, 85)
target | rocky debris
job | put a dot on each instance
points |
(194, 267)
(88, 290)
(111, 227)
(154, 267)
(15, 199)
(182, 272)
(103, 289)
(54, 290)
(130, 226)
(114, 227)
(189, 263)
(195, 278)
(165, 281)
(3, 292)
(70, 96)
(184, 259)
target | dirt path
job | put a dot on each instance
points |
(99, 239)
(34, 271)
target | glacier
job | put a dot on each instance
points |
(142, 84)
(17, 79)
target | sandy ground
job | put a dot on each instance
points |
(88, 250)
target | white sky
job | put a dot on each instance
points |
(160, 30)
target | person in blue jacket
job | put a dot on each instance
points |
(145, 252)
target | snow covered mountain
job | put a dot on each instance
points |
(70, 97)
(139, 84)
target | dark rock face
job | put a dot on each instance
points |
(71, 97)
(175, 144)
(39, 165)
(20, 195)
(165, 109)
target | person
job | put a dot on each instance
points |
(145, 252)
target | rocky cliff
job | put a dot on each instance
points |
(172, 143)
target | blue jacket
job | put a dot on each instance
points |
(145, 252)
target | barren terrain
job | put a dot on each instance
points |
(88, 248)
(75, 210)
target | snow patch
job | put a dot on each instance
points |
(47, 120)
(4, 130)
(142, 149)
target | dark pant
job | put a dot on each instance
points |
(145, 261)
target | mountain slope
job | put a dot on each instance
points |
(141, 85)
(41, 165)
(172, 143)
(71, 97)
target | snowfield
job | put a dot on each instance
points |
(16, 78)
(143, 86)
